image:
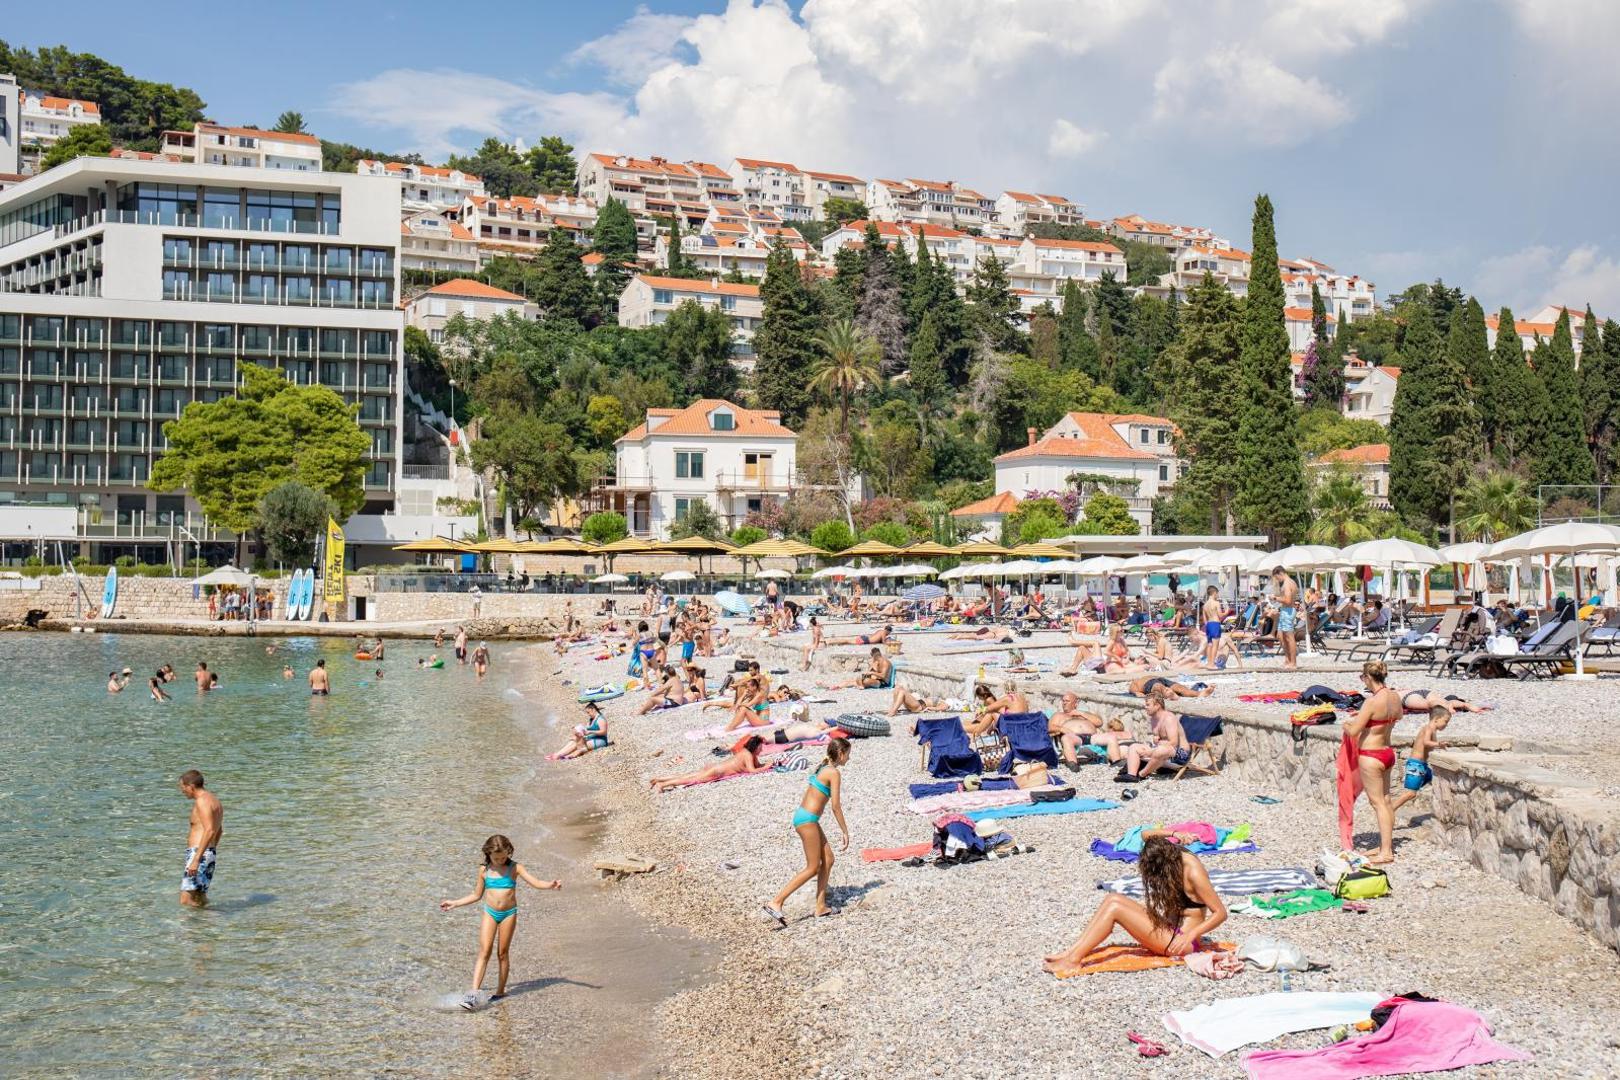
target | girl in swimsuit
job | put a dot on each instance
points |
(1375, 758)
(744, 759)
(496, 886)
(1178, 908)
(824, 789)
(815, 642)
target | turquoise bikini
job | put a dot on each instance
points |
(801, 816)
(505, 881)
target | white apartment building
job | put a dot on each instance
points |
(734, 459)
(248, 148)
(1540, 325)
(1297, 321)
(520, 226)
(774, 185)
(634, 181)
(10, 131)
(932, 202)
(648, 300)
(46, 119)
(1136, 227)
(1080, 260)
(1369, 390)
(432, 310)
(718, 253)
(1369, 464)
(431, 241)
(1137, 452)
(1345, 295)
(1229, 266)
(955, 248)
(129, 289)
(821, 186)
(1019, 211)
(425, 187)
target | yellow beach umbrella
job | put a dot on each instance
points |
(868, 549)
(438, 545)
(1040, 550)
(982, 547)
(927, 549)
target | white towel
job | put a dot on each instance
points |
(1222, 1026)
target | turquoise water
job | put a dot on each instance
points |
(346, 820)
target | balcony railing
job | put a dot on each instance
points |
(757, 480)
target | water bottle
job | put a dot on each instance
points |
(1287, 982)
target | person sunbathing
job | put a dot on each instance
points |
(669, 693)
(744, 759)
(874, 677)
(1421, 701)
(753, 705)
(1072, 728)
(784, 693)
(1168, 688)
(1169, 745)
(903, 700)
(988, 708)
(984, 633)
(1179, 906)
(1115, 739)
(875, 637)
(801, 731)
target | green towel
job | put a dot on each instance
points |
(1298, 902)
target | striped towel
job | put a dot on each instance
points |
(1229, 882)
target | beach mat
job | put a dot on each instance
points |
(1103, 849)
(1073, 806)
(1229, 882)
(895, 854)
(1128, 958)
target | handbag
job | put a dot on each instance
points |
(1368, 883)
(1063, 794)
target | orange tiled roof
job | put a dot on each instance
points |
(694, 420)
(1021, 196)
(758, 163)
(1078, 245)
(840, 178)
(1003, 502)
(713, 288)
(474, 290)
(66, 103)
(1098, 439)
(1303, 314)
(273, 136)
(1370, 454)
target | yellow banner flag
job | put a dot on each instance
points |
(334, 562)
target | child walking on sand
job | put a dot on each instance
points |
(496, 886)
(824, 789)
(1418, 773)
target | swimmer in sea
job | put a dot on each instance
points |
(115, 682)
(166, 673)
(286, 671)
(480, 659)
(319, 684)
(204, 680)
(156, 686)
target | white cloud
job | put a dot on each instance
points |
(1233, 91)
(644, 42)
(1069, 141)
(1300, 29)
(1539, 274)
(1571, 39)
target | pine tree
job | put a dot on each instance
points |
(900, 264)
(1272, 497)
(1596, 394)
(927, 366)
(1564, 456)
(1504, 397)
(933, 289)
(675, 260)
(1433, 431)
(1077, 351)
(1205, 396)
(614, 238)
(785, 345)
(1318, 316)
(1114, 301)
(1107, 353)
(879, 308)
(561, 288)
(994, 308)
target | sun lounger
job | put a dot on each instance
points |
(1547, 659)
(1550, 644)
(1382, 648)
(1602, 640)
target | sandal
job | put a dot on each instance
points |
(775, 916)
(1145, 1046)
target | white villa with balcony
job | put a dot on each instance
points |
(1136, 453)
(1369, 390)
(250, 148)
(425, 187)
(431, 311)
(1019, 211)
(713, 451)
(45, 119)
(649, 300)
(431, 241)
(1081, 260)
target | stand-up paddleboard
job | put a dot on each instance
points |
(109, 593)
(292, 596)
(307, 601)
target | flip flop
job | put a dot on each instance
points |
(775, 916)
(829, 913)
(1145, 1046)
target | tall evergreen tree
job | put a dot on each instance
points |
(880, 307)
(1564, 457)
(1433, 431)
(1611, 364)
(1114, 301)
(1597, 394)
(1505, 398)
(1537, 408)
(785, 345)
(1472, 348)
(933, 289)
(1205, 397)
(1107, 353)
(614, 238)
(1272, 496)
(900, 264)
(1076, 348)
(1319, 322)
(675, 260)
(561, 288)
(927, 365)
(994, 308)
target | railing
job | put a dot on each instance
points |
(425, 472)
(753, 481)
(625, 483)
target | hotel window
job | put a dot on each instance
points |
(1164, 473)
(684, 506)
(689, 464)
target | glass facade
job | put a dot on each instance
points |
(254, 272)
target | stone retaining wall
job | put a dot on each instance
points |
(138, 598)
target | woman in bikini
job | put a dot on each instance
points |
(591, 735)
(1421, 701)
(824, 790)
(988, 708)
(815, 642)
(496, 886)
(905, 700)
(744, 759)
(1179, 906)
(753, 706)
(1375, 758)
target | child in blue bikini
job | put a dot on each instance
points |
(497, 888)
(824, 789)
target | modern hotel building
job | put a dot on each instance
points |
(129, 289)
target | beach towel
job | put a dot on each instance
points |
(1227, 882)
(1222, 1026)
(942, 787)
(1127, 958)
(967, 800)
(895, 854)
(1073, 806)
(1418, 1037)
(1104, 850)
(1283, 905)
(1347, 776)
(1270, 699)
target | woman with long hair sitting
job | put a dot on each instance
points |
(1178, 908)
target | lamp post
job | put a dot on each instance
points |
(452, 405)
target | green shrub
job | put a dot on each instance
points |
(744, 535)
(604, 528)
(832, 536)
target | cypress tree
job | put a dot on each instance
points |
(1596, 394)
(1076, 348)
(1537, 408)
(1107, 353)
(674, 257)
(1564, 456)
(1505, 399)
(1472, 348)
(561, 288)
(1112, 300)
(1611, 363)
(900, 265)
(1206, 398)
(614, 238)
(927, 365)
(1271, 497)
(785, 345)
(1318, 317)
(1433, 432)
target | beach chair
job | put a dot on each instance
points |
(945, 748)
(1382, 649)
(1602, 640)
(1426, 643)
(1543, 653)
(1201, 732)
(1027, 740)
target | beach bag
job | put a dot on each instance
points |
(1368, 883)
(1502, 645)
(1063, 794)
(1310, 716)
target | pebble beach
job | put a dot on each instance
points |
(937, 971)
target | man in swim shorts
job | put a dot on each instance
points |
(207, 823)
(319, 683)
(1287, 615)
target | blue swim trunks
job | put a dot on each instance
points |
(198, 882)
(1418, 774)
(1212, 630)
(1285, 620)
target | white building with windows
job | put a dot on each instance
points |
(1369, 464)
(520, 226)
(425, 187)
(821, 186)
(247, 148)
(1369, 390)
(648, 300)
(429, 240)
(1136, 453)
(130, 289)
(1020, 211)
(644, 185)
(715, 452)
(432, 310)
(46, 119)
(773, 185)
(1079, 260)
(1174, 237)
(10, 131)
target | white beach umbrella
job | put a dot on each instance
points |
(833, 571)
(609, 579)
(1019, 568)
(1568, 539)
(677, 575)
(1471, 554)
(1145, 564)
(912, 570)
(1393, 555)
(772, 573)
(1301, 557)
(1099, 565)
(226, 575)
(957, 573)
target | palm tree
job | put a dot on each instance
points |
(1495, 506)
(1342, 511)
(849, 363)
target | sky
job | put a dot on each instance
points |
(1399, 139)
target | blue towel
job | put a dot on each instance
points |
(1104, 850)
(1073, 806)
(943, 787)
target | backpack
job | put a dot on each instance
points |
(1365, 884)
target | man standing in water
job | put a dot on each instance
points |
(319, 684)
(207, 822)
(461, 644)
(205, 681)
(1287, 615)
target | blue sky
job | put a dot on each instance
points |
(1400, 139)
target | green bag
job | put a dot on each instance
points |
(1366, 884)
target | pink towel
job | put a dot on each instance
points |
(967, 800)
(1419, 1037)
(895, 854)
(1349, 781)
(1201, 829)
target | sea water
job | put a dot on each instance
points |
(347, 819)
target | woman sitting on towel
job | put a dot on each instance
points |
(1421, 701)
(754, 708)
(988, 709)
(1374, 757)
(744, 759)
(1179, 906)
(904, 700)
